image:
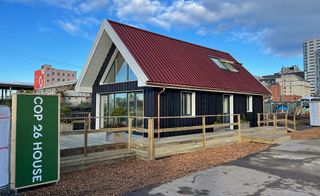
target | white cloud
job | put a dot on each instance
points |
(77, 6)
(42, 28)
(92, 5)
(78, 26)
(279, 27)
(69, 26)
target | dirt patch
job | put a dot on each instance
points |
(306, 134)
(126, 176)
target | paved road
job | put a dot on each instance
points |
(292, 168)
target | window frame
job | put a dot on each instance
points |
(192, 103)
(113, 63)
(223, 64)
(249, 103)
(110, 100)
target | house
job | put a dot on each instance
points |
(128, 69)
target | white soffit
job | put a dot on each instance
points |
(105, 37)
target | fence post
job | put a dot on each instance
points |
(85, 146)
(258, 120)
(274, 122)
(294, 122)
(89, 116)
(151, 149)
(203, 131)
(286, 121)
(129, 132)
(239, 128)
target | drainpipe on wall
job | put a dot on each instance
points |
(164, 88)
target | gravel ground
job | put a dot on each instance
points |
(306, 134)
(125, 176)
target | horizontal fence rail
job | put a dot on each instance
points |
(149, 128)
(288, 121)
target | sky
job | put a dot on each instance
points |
(263, 35)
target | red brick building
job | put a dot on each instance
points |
(48, 75)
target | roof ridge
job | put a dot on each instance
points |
(158, 34)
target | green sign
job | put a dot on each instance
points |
(35, 140)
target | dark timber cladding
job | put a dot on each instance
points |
(207, 103)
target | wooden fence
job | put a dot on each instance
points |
(150, 130)
(277, 120)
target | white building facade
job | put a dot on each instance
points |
(293, 85)
(311, 55)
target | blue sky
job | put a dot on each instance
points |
(263, 35)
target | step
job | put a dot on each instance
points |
(267, 138)
(78, 162)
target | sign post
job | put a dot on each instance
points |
(35, 142)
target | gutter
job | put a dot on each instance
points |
(158, 129)
(188, 87)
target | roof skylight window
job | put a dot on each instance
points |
(222, 64)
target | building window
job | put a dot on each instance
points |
(58, 79)
(58, 74)
(120, 71)
(52, 79)
(223, 64)
(249, 103)
(121, 104)
(187, 104)
(53, 73)
(68, 74)
(63, 74)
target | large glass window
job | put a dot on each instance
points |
(186, 103)
(120, 71)
(121, 105)
(139, 109)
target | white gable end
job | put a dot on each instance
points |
(105, 37)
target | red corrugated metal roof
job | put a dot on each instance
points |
(174, 62)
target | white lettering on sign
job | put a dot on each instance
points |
(38, 108)
(37, 144)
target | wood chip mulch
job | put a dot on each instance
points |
(306, 134)
(129, 175)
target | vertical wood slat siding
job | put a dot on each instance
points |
(207, 103)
